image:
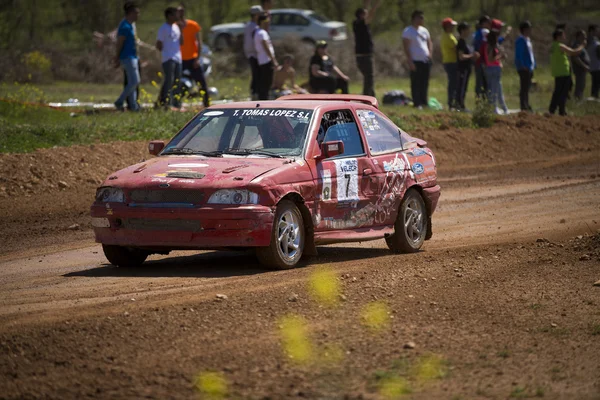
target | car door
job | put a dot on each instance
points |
(390, 163)
(341, 200)
(278, 26)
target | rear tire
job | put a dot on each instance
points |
(124, 257)
(287, 238)
(410, 228)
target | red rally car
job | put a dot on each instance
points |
(280, 176)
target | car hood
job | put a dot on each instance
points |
(229, 26)
(193, 171)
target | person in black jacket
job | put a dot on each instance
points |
(363, 45)
(325, 76)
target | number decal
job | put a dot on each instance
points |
(347, 179)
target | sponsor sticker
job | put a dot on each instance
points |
(188, 165)
(418, 168)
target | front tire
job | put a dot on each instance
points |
(287, 238)
(410, 228)
(124, 257)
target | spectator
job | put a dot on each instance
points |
(593, 50)
(580, 64)
(363, 45)
(465, 55)
(168, 42)
(481, 33)
(283, 74)
(250, 50)
(492, 60)
(525, 64)
(126, 57)
(265, 55)
(559, 62)
(191, 49)
(325, 76)
(418, 48)
(450, 59)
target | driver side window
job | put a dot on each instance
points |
(340, 125)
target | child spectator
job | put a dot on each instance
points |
(465, 55)
(418, 48)
(561, 70)
(478, 39)
(492, 60)
(525, 64)
(449, 58)
(581, 65)
(283, 74)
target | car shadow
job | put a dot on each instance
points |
(221, 264)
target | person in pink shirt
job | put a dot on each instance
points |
(491, 58)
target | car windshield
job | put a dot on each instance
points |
(318, 17)
(260, 132)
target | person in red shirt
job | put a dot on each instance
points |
(491, 56)
(191, 50)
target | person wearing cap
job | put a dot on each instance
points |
(250, 50)
(561, 70)
(265, 55)
(190, 51)
(525, 64)
(593, 49)
(485, 23)
(325, 76)
(363, 45)
(449, 58)
(465, 55)
(418, 48)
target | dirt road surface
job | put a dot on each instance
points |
(499, 304)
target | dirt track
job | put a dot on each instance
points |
(499, 303)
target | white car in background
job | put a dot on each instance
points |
(305, 25)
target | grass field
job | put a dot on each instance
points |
(24, 127)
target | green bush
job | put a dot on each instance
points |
(483, 114)
(37, 67)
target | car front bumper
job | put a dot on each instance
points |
(182, 228)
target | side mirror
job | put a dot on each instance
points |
(332, 149)
(156, 146)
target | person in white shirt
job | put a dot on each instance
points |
(418, 48)
(168, 42)
(250, 50)
(265, 55)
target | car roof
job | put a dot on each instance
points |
(309, 104)
(296, 10)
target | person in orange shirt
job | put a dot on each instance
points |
(191, 50)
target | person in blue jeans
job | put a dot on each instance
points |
(525, 63)
(492, 56)
(126, 57)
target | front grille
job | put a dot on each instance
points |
(147, 224)
(167, 196)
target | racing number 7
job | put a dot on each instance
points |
(348, 177)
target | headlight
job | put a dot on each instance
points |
(231, 196)
(110, 195)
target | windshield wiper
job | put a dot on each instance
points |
(252, 151)
(187, 150)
